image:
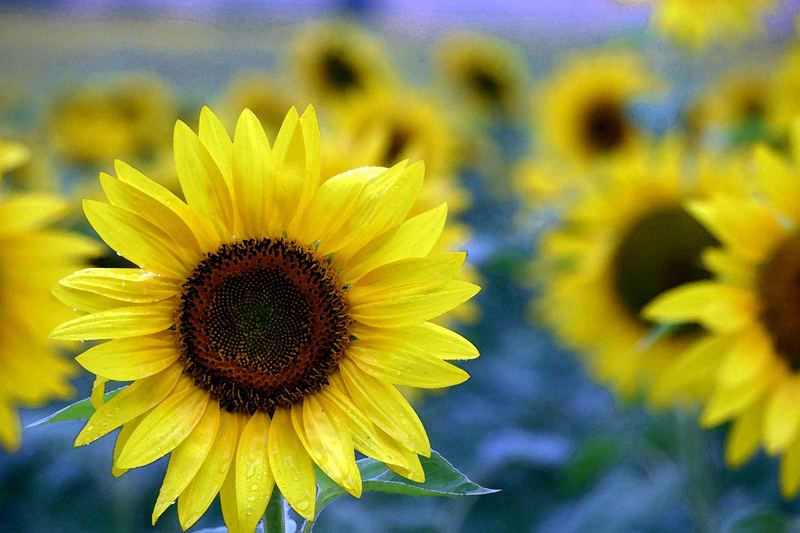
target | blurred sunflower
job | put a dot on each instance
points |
(583, 111)
(784, 97)
(128, 116)
(621, 245)
(32, 258)
(270, 320)
(338, 61)
(698, 23)
(749, 355)
(489, 72)
(262, 94)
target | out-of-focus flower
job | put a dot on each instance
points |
(749, 353)
(32, 258)
(784, 97)
(262, 94)
(338, 62)
(697, 23)
(490, 73)
(620, 246)
(583, 112)
(129, 116)
(269, 321)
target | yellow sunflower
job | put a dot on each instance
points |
(583, 111)
(698, 23)
(262, 94)
(749, 355)
(338, 62)
(618, 247)
(489, 72)
(269, 321)
(784, 97)
(128, 116)
(32, 258)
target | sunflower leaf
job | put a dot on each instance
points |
(80, 410)
(441, 479)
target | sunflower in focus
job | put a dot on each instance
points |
(583, 111)
(269, 321)
(262, 94)
(489, 72)
(32, 258)
(337, 62)
(697, 23)
(618, 247)
(129, 116)
(749, 354)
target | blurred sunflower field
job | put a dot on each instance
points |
(445, 266)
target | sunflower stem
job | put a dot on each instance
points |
(275, 515)
(691, 445)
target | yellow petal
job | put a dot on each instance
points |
(124, 284)
(790, 470)
(130, 359)
(744, 437)
(386, 408)
(254, 480)
(135, 238)
(186, 460)
(141, 396)
(425, 337)
(415, 237)
(229, 503)
(289, 154)
(692, 374)
(717, 306)
(291, 465)
(217, 141)
(202, 182)
(98, 395)
(253, 174)
(407, 276)
(164, 428)
(87, 302)
(406, 310)
(781, 415)
(309, 179)
(777, 181)
(327, 440)
(10, 430)
(122, 439)
(725, 403)
(205, 485)
(202, 230)
(749, 354)
(118, 323)
(394, 364)
(24, 212)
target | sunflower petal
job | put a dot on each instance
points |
(254, 482)
(777, 181)
(425, 337)
(217, 141)
(186, 460)
(717, 306)
(291, 465)
(118, 323)
(725, 403)
(407, 310)
(140, 397)
(206, 483)
(744, 437)
(386, 408)
(24, 212)
(135, 238)
(407, 275)
(746, 359)
(122, 439)
(394, 364)
(132, 285)
(253, 173)
(790, 470)
(130, 359)
(309, 182)
(229, 503)
(781, 416)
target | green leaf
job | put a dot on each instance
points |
(80, 410)
(763, 521)
(592, 459)
(441, 479)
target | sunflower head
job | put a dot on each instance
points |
(338, 61)
(270, 320)
(584, 111)
(259, 92)
(489, 72)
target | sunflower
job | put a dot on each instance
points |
(784, 97)
(337, 62)
(269, 321)
(749, 355)
(618, 247)
(699, 23)
(128, 116)
(583, 111)
(262, 94)
(488, 72)
(32, 258)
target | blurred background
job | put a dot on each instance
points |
(475, 89)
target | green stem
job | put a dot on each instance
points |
(275, 515)
(701, 486)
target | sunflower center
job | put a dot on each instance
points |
(605, 126)
(261, 324)
(485, 84)
(399, 139)
(660, 251)
(339, 72)
(779, 292)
